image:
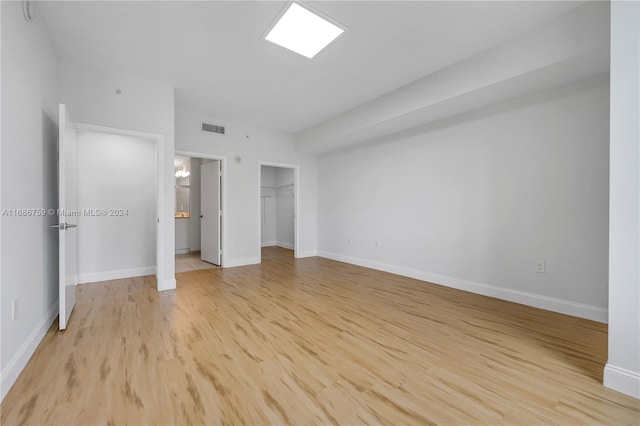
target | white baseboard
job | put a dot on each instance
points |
(183, 251)
(562, 306)
(116, 275)
(308, 253)
(16, 364)
(622, 380)
(284, 245)
(166, 284)
(232, 263)
(268, 244)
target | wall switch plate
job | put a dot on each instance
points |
(376, 244)
(540, 267)
(349, 241)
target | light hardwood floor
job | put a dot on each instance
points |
(312, 341)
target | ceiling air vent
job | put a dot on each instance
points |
(212, 128)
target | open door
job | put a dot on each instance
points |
(67, 217)
(210, 216)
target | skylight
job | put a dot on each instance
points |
(303, 31)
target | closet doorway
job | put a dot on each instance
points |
(278, 206)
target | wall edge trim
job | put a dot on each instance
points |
(282, 244)
(622, 380)
(116, 274)
(243, 261)
(19, 361)
(562, 306)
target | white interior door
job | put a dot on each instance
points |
(67, 221)
(210, 216)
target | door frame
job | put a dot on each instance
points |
(296, 204)
(223, 197)
(161, 240)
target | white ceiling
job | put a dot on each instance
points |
(214, 55)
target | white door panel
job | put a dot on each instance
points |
(67, 221)
(210, 212)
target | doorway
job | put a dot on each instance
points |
(164, 281)
(116, 196)
(278, 206)
(198, 212)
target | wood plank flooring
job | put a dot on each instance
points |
(312, 341)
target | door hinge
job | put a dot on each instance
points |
(220, 213)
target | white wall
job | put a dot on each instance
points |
(28, 169)
(268, 206)
(116, 172)
(242, 245)
(623, 366)
(285, 208)
(143, 106)
(474, 201)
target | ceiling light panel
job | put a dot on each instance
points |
(303, 31)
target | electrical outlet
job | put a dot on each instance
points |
(14, 309)
(540, 267)
(349, 241)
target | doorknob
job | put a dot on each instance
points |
(63, 226)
